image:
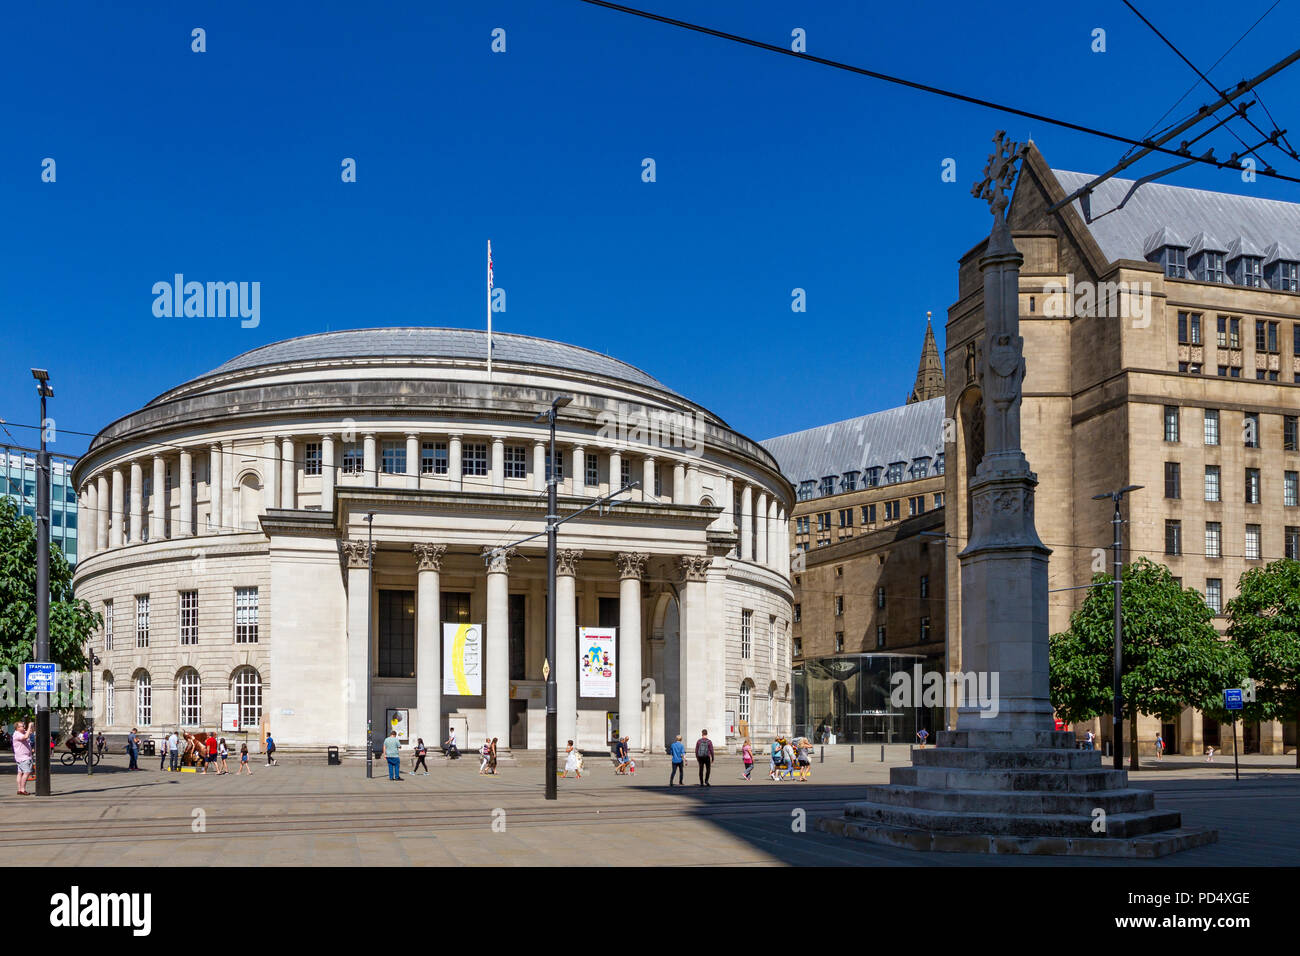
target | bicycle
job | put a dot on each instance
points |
(69, 759)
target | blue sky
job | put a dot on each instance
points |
(772, 174)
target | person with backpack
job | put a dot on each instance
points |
(704, 757)
(678, 751)
(270, 751)
(420, 752)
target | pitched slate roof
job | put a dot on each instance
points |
(1184, 212)
(420, 342)
(868, 441)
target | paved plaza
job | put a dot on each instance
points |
(306, 813)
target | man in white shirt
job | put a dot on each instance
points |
(173, 748)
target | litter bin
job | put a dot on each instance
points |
(147, 748)
(332, 756)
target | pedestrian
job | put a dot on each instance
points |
(492, 757)
(1209, 755)
(774, 759)
(1090, 739)
(788, 757)
(704, 757)
(572, 761)
(173, 744)
(270, 751)
(923, 735)
(243, 760)
(162, 759)
(22, 742)
(449, 746)
(1160, 747)
(221, 753)
(678, 751)
(210, 745)
(746, 758)
(393, 753)
(804, 758)
(100, 743)
(132, 749)
(420, 751)
(484, 755)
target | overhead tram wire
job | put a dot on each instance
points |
(1268, 137)
(939, 91)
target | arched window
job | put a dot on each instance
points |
(744, 702)
(143, 699)
(247, 687)
(189, 698)
(110, 709)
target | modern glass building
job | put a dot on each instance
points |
(18, 481)
(850, 695)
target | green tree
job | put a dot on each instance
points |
(1173, 657)
(72, 622)
(1264, 621)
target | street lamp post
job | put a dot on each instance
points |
(1117, 705)
(370, 590)
(45, 390)
(92, 661)
(552, 530)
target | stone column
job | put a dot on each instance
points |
(566, 646)
(539, 466)
(648, 471)
(228, 485)
(158, 501)
(728, 509)
(105, 510)
(760, 529)
(368, 461)
(773, 539)
(288, 473)
(692, 485)
(428, 643)
(579, 470)
(746, 523)
(327, 473)
(631, 566)
(412, 460)
(455, 473)
(185, 486)
(615, 471)
(270, 473)
(137, 502)
(117, 538)
(88, 530)
(782, 542)
(497, 684)
(693, 648)
(498, 463)
(214, 489)
(680, 497)
(357, 556)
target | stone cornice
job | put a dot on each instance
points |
(285, 521)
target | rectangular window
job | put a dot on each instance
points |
(1290, 493)
(559, 466)
(108, 627)
(190, 709)
(189, 617)
(746, 634)
(1171, 423)
(798, 613)
(1252, 486)
(396, 633)
(394, 462)
(1173, 480)
(625, 479)
(916, 505)
(1211, 426)
(142, 620)
(1189, 328)
(797, 649)
(771, 640)
(1250, 430)
(868, 514)
(516, 461)
(1291, 543)
(245, 615)
(880, 598)
(880, 635)
(311, 458)
(1213, 538)
(893, 510)
(1173, 537)
(846, 518)
(591, 470)
(938, 499)
(474, 460)
(354, 458)
(1212, 487)
(1290, 439)
(433, 458)
(1252, 271)
(839, 642)
(1214, 594)
(1252, 542)
(925, 629)
(1229, 332)
(143, 701)
(839, 605)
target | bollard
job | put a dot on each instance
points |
(850, 755)
(882, 753)
(822, 757)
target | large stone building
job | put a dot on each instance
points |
(1162, 342)
(868, 571)
(227, 531)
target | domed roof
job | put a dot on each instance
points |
(419, 342)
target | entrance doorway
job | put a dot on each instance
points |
(519, 725)
(1169, 733)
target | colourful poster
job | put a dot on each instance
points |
(597, 674)
(462, 659)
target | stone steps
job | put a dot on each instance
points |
(964, 758)
(976, 817)
(1072, 781)
(1015, 801)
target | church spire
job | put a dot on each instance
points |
(929, 374)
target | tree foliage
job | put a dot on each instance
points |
(1264, 622)
(72, 622)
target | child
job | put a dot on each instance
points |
(747, 758)
(572, 761)
(222, 752)
(243, 761)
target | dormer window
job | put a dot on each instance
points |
(1282, 268)
(807, 489)
(894, 473)
(1250, 271)
(920, 467)
(849, 482)
(1205, 259)
(938, 464)
(1245, 263)
(1167, 249)
(828, 485)
(1288, 277)
(871, 477)
(1175, 262)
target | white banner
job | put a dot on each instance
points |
(230, 718)
(462, 659)
(597, 674)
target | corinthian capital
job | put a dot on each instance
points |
(356, 553)
(498, 559)
(566, 561)
(429, 556)
(694, 567)
(631, 564)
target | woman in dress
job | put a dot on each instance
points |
(572, 761)
(492, 757)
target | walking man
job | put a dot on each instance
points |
(270, 751)
(678, 750)
(132, 749)
(704, 757)
(393, 754)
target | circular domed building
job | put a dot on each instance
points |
(328, 520)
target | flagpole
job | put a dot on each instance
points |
(489, 312)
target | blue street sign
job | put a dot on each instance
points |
(40, 677)
(1232, 699)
